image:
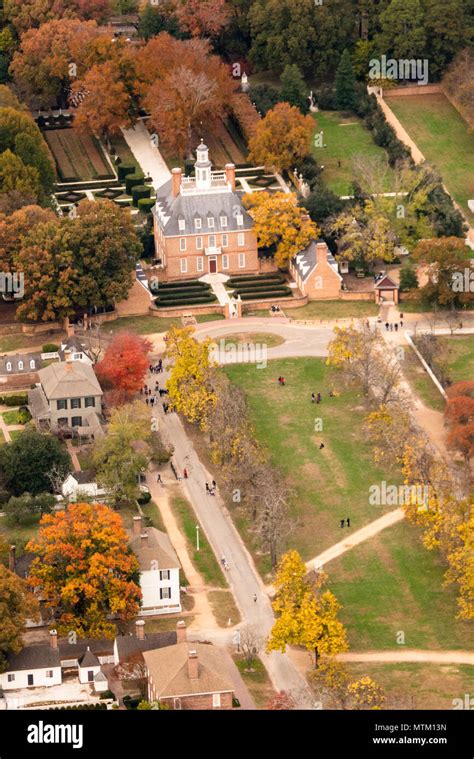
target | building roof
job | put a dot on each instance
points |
(84, 476)
(25, 358)
(169, 210)
(96, 646)
(169, 670)
(72, 343)
(38, 404)
(34, 657)
(88, 659)
(306, 261)
(23, 563)
(386, 283)
(127, 645)
(69, 379)
(157, 548)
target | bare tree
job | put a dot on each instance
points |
(273, 520)
(250, 644)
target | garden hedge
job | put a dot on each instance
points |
(50, 348)
(132, 180)
(201, 299)
(259, 278)
(264, 296)
(139, 192)
(124, 169)
(20, 399)
(176, 294)
(146, 204)
(184, 283)
(282, 289)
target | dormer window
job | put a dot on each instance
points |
(210, 222)
(181, 225)
(20, 366)
(223, 221)
(198, 223)
(32, 364)
(9, 366)
(240, 220)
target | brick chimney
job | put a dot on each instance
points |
(176, 182)
(137, 525)
(181, 631)
(70, 330)
(12, 559)
(193, 665)
(68, 355)
(322, 251)
(53, 638)
(230, 174)
(140, 629)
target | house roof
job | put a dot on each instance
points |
(34, 657)
(88, 659)
(69, 379)
(73, 344)
(306, 261)
(127, 645)
(23, 563)
(169, 670)
(96, 646)
(15, 360)
(156, 548)
(37, 403)
(169, 210)
(83, 477)
(386, 283)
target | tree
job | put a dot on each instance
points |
(19, 184)
(322, 203)
(447, 260)
(17, 605)
(366, 694)
(283, 701)
(330, 681)
(403, 30)
(120, 456)
(408, 279)
(154, 20)
(15, 226)
(264, 96)
(363, 234)
(188, 384)
(26, 14)
(273, 523)
(279, 222)
(459, 414)
(85, 569)
(19, 133)
(202, 18)
(27, 460)
(281, 137)
(125, 364)
(293, 88)
(250, 644)
(26, 509)
(345, 83)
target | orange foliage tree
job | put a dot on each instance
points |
(281, 137)
(459, 415)
(85, 569)
(124, 366)
(203, 18)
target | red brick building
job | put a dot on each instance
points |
(200, 225)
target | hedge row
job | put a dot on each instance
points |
(123, 169)
(257, 279)
(200, 299)
(185, 293)
(270, 294)
(183, 283)
(131, 180)
(20, 399)
(263, 286)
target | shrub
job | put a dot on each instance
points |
(50, 348)
(408, 279)
(201, 299)
(144, 498)
(132, 180)
(266, 295)
(21, 399)
(140, 191)
(183, 283)
(146, 204)
(245, 114)
(184, 293)
(124, 169)
(107, 694)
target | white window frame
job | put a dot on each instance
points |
(225, 261)
(198, 223)
(49, 673)
(240, 220)
(181, 225)
(163, 591)
(216, 700)
(20, 366)
(177, 704)
(199, 245)
(225, 241)
(32, 364)
(210, 222)
(183, 265)
(182, 244)
(165, 574)
(241, 239)
(223, 220)
(241, 260)
(9, 366)
(211, 244)
(200, 263)
(11, 677)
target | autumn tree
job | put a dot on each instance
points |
(280, 222)
(19, 184)
(26, 462)
(363, 235)
(447, 262)
(124, 365)
(273, 523)
(282, 701)
(19, 134)
(17, 605)
(202, 18)
(459, 414)
(281, 138)
(188, 383)
(27, 14)
(366, 694)
(85, 569)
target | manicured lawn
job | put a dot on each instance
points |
(149, 325)
(328, 484)
(418, 686)
(420, 381)
(461, 352)
(151, 511)
(16, 341)
(263, 338)
(344, 138)
(257, 681)
(391, 583)
(204, 559)
(334, 309)
(445, 140)
(224, 608)
(11, 417)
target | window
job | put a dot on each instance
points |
(9, 366)
(63, 421)
(49, 673)
(32, 364)
(165, 592)
(240, 220)
(176, 703)
(164, 574)
(216, 700)
(76, 421)
(60, 405)
(75, 403)
(241, 239)
(20, 366)
(225, 262)
(223, 221)
(198, 243)
(89, 401)
(30, 679)
(183, 265)
(198, 223)
(212, 241)
(181, 225)
(90, 675)
(182, 244)
(10, 677)
(241, 260)
(225, 241)
(200, 263)
(210, 222)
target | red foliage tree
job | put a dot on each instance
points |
(459, 415)
(281, 702)
(124, 366)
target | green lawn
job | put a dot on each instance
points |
(204, 559)
(344, 138)
(256, 680)
(328, 484)
(224, 608)
(151, 511)
(19, 340)
(334, 309)
(420, 381)
(391, 583)
(11, 417)
(148, 325)
(445, 140)
(461, 350)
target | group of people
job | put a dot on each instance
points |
(275, 309)
(318, 398)
(211, 489)
(394, 326)
(343, 522)
(156, 368)
(281, 381)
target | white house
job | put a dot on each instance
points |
(77, 350)
(80, 484)
(159, 570)
(34, 667)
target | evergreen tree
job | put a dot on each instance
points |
(345, 83)
(293, 88)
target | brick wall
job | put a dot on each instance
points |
(193, 703)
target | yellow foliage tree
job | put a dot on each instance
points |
(189, 383)
(366, 694)
(281, 137)
(279, 221)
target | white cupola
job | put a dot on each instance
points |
(202, 167)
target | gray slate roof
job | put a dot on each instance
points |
(37, 403)
(98, 646)
(34, 657)
(14, 361)
(69, 380)
(127, 645)
(88, 659)
(73, 344)
(305, 262)
(84, 476)
(202, 205)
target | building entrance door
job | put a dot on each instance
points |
(212, 265)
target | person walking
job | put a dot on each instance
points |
(321, 446)
(313, 397)
(255, 598)
(185, 474)
(342, 523)
(319, 398)
(396, 326)
(386, 326)
(348, 521)
(207, 488)
(158, 479)
(214, 484)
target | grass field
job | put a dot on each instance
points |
(148, 325)
(344, 138)
(461, 361)
(262, 338)
(78, 156)
(334, 309)
(445, 140)
(420, 381)
(328, 484)
(391, 583)
(257, 681)
(204, 559)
